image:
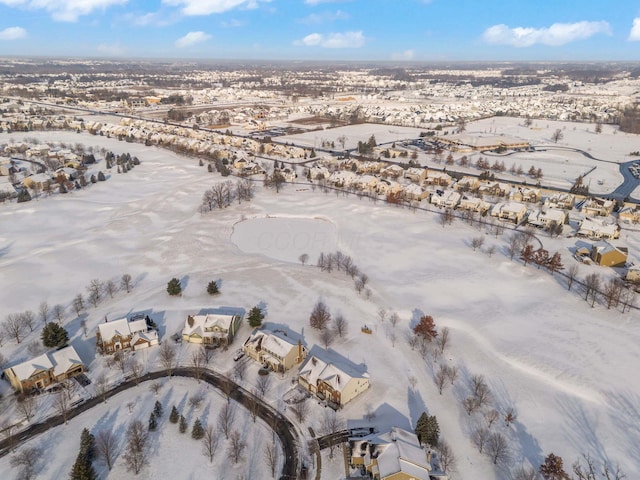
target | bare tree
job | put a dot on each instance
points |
(441, 378)
(225, 419)
(446, 456)
(477, 242)
(382, 314)
(612, 291)
(254, 403)
(443, 339)
(227, 388)
(497, 448)
(106, 445)
(510, 416)
(557, 136)
(301, 410)
(195, 401)
(125, 282)
(27, 405)
(471, 405)
(58, 312)
(320, 316)
(110, 287)
(326, 337)
(413, 382)
(62, 404)
(236, 446)
(120, 359)
(480, 389)
(155, 387)
(78, 303)
(27, 459)
(263, 384)
(572, 273)
(206, 353)
(332, 423)
(102, 386)
(392, 338)
(271, 457)
(95, 291)
(239, 369)
(491, 417)
(394, 318)
(13, 327)
(491, 250)
(479, 437)
(167, 357)
(526, 473)
(135, 455)
(513, 245)
(340, 324)
(210, 442)
(197, 362)
(43, 310)
(304, 258)
(135, 370)
(29, 319)
(591, 286)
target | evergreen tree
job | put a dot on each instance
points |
(255, 317)
(87, 444)
(93, 178)
(428, 430)
(174, 287)
(553, 468)
(24, 196)
(54, 336)
(174, 416)
(183, 424)
(157, 409)
(212, 288)
(197, 432)
(82, 468)
(153, 423)
(101, 177)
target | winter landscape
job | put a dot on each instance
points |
(349, 258)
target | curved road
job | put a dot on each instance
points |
(279, 423)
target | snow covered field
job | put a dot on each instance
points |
(568, 369)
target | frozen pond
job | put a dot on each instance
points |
(285, 238)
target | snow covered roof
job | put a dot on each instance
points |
(334, 375)
(60, 361)
(202, 323)
(122, 327)
(274, 342)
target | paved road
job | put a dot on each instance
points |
(279, 423)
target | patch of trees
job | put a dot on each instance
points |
(174, 288)
(222, 194)
(630, 119)
(328, 262)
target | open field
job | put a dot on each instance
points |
(565, 367)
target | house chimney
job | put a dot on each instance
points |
(299, 350)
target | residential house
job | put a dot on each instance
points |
(591, 228)
(387, 187)
(393, 455)
(512, 211)
(468, 184)
(336, 382)
(415, 174)
(289, 174)
(124, 334)
(445, 198)
(44, 370)
(543, 219)
(366, 183)
(275, 349)
(392, 171)
(415, 192)
(319, 172)
(629, 214)
(524, 194)
(342, 178)
(633, 274)
(560, 200)
(441, 179)
(211, 329)
(38, 180)
(495, 189)
(473, 204)
(608, 255)
(7, 189)
(597, 207)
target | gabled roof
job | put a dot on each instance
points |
(60, 361)
(122, 327)
(275, 342)
(203, 322)
(335, 375)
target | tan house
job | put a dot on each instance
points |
(392, 171)
(591, 228)
(211, 329)
(560, 200)
(274, 349)
(393, 455)
(338, 384)
(38, 179)
(415, 174)
(607, 255)
(512, 211)
(545, 218)
(633, 274)
(42, 371)
(125, 334)
(441, 179)
(495, 189)
(629, 215)
(468, 184)
(446, 198)
(524, 194)
(473, 204)
(415, 192)
(598, 207)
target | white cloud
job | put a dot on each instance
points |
(634, 34)
(556, 34)
(233, 23)
(112, 50)
(13, 33)
(156, 19)
(192, 38)
(406, 55)
(207, 7)
(333, 40)
(316, 18)
(65, 10)
(318, 2)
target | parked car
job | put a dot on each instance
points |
(238, 355)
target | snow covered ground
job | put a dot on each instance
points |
(568, 369)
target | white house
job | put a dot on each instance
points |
(124, 334)
(544, 218)
(211, 329)
(446, 198)
(275, 349)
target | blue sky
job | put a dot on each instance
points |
(417, 30)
